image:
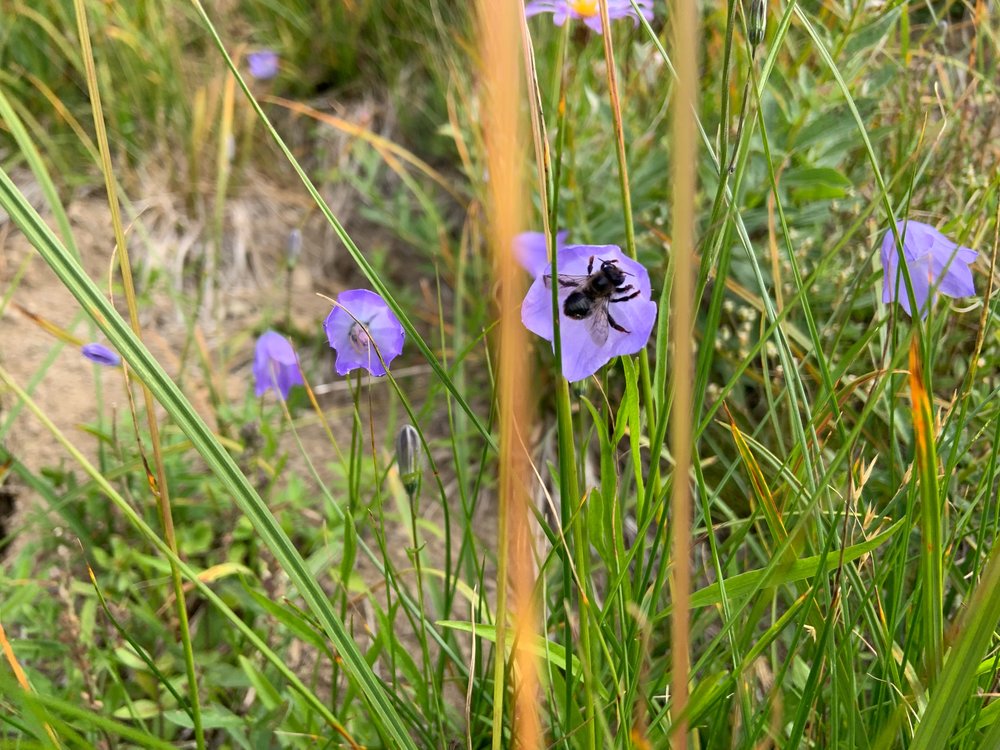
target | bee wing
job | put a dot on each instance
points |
(597, 322)
(566, 280)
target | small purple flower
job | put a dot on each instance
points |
(100, 354)
(275, 365)
(602, 326)
(935, 264)
(588, 10)
(362, 328)
(263, 64)
(532, 250)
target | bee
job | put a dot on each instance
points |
(592, 294)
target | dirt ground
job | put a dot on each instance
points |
(252, 289)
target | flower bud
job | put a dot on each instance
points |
(294, 247)
(756, 22)
(408, 453)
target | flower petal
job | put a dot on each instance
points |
(364, 307)
(532, 250)
(275, 365)
(100, 354)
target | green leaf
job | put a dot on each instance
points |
(550, 651)
(743, 584)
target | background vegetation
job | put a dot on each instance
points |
(845, 457)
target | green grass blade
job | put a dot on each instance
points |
(957, 678)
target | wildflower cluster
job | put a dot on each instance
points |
(361, 329)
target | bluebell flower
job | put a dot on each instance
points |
(364, 332)
(263, 64)
(589, 10)
(599, 319)
(935, 264)
(275, 365)
(100, 354)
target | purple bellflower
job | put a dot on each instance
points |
(275, 365)
(362, 328)
(100, 354)
(589, 10)
(607, 296)
(532, 250)
(263, 64)
(936, 266)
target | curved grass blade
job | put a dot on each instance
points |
(931, 550)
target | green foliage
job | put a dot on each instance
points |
(845, 513)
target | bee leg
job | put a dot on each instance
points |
(614, 324)
(627, 297)
(623, 289)
(590, 266)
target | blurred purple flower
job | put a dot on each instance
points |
(614, 321)
(275, 365)
(532, 250)
(588, 10)
(100, 354)
(263, 64)
(935, 263)
(361, 327)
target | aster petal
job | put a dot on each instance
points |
(539, 6)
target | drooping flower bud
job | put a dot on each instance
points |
(294, 247)
(756, 22)
(408, 454)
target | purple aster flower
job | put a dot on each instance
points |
(935, 264)
(100, 354)
(362, 328)
(605, 308)
(263, 64)
(275, 365)
(532, 250)
(588, 10)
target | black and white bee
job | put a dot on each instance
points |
(593, 294)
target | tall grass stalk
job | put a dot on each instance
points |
(158, 484)
(684, 150)
(501, 75)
